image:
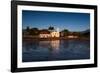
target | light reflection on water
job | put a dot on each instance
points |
(55, 50)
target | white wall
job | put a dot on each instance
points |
(5, 36)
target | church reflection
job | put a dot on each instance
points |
(52, 46)
(55, 44)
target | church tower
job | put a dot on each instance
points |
(55, 33)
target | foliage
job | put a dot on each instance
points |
(51, 28)
(34, 31)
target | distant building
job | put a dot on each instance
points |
(69, 34)
(55, 33)
(72, 35)
(63, 34)
(44, 34)
(47, 34)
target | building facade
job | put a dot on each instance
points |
(49, 34)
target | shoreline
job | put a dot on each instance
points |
(54, 38)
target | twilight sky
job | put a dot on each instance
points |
(62, 20)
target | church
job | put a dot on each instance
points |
(49, 34)
(55, 33)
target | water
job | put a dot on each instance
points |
(55, 50)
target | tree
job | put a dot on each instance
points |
(51, 28)
(34, 28)
(34, 31)
(65, 32)
(27, 28)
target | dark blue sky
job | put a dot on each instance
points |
(61, 20)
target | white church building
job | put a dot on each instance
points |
(47, 34)
(55, 33)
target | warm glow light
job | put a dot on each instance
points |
(55, 44)
(55, 34)
(44, 35)
(52, 34)
(71, 36)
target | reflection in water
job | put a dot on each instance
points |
(55, 45)
(55, 50)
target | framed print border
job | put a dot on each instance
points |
(14, 34)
